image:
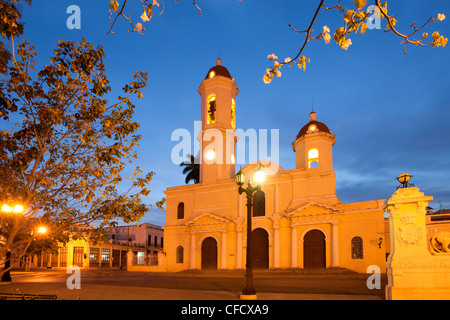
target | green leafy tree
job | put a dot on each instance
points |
(65, 159)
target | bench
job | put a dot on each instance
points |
(25, 296)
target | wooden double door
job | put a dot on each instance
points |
(314, 249)
(260, 245)
(78, 256)
(209, 253)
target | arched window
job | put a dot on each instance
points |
(211, 116)
(233, 114)
(259, 204)
(313, 158)
(180, 212)
(180, 254)
(357, 248)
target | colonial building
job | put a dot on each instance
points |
(298, 220)
(144, 242)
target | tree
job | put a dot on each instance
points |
(191, 169)
(355, 20)
(64, 160)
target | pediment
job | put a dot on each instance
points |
(311, 208)
(207, 218)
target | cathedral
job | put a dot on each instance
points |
(297, 221)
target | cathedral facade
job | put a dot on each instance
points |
(298, 220)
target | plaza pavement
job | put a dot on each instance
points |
(119, 292)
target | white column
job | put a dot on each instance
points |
(334, 245)
(239, 248)
(240, 206)
(193, 265)
(224, 250)
(129, 259)
(276, 247)
(276, 199)
(276, 230)
(294, 263)
(239, 235)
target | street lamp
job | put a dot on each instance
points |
(16, 209)
(6, 277)
(404, 180)
(249, 292)
(42, 230)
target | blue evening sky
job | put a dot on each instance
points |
(389, 111)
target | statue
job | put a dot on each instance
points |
(440, 243)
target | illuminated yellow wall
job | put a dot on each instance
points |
(298, 200)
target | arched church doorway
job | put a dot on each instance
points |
(260, 246)
(209, 253)
(314, 249)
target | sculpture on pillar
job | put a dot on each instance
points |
(440, 243)
(414, 273)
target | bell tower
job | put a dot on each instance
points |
(313, 146)
(218, 139)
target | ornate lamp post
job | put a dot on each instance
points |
(249, 292)
(6, 277)
(16, 210)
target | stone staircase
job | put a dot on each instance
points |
(268, 272)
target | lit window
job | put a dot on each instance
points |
(233, 114)
(211, 116)
(212, 74)
(94, 255)
(105, 257)
(313, 153)
(313, 158)
(140, 258)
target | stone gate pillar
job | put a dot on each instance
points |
(413, 273)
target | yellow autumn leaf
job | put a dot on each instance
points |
(114, 5)
(144, 16)
(360, 4)
(363, 28)
(326, 35)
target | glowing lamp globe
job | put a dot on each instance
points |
(404, 178)
(42, 230)
(18, 209)
(6, 208)
(259, 176)
(210, 155)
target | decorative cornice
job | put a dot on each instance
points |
(195, 220)
(290, 212)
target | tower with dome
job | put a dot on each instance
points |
(299, 222)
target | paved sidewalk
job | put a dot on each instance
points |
(41, 283)
(108, 292)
